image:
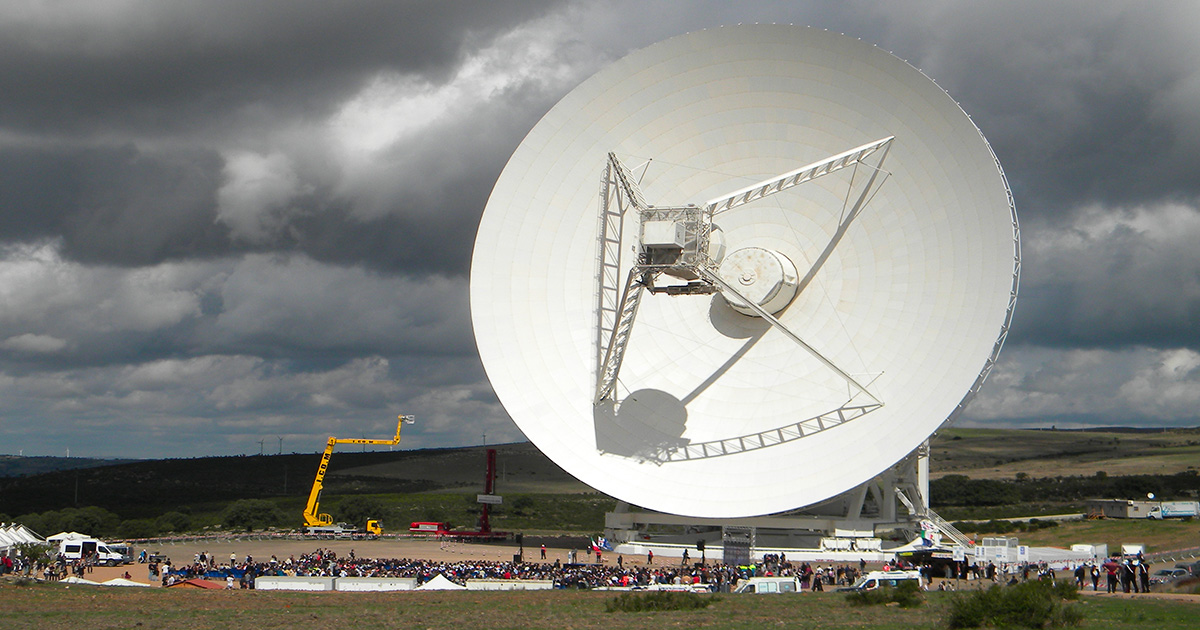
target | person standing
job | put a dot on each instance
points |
(543, 551)
(1144, 576)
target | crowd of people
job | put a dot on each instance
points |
(1129, 574)
(328, 563)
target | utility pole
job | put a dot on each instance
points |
(260, 446)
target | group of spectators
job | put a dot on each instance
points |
(58, 568)
(328, 563)
(1126, 574)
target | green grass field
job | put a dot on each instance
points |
(56, 606)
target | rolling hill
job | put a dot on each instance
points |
(145, 488)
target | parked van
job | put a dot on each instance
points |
(125, 549)
(768, 585)
(882, 579)
(79, 548)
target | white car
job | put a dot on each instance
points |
(1165, 576)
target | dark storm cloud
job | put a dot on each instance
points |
(435, 187)
(1084, 102)
(175, 66)
(1120, 278)
(194, 77)
(112, 204)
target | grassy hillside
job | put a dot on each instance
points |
(1004, 453)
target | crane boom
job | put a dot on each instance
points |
(312, 515)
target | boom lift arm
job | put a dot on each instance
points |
(311, 516)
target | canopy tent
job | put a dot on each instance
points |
(123, 582)
(61, 536)
(440, 583)
(14, 534)
(918, 544)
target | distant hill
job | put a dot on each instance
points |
(20, 466)
(146, 488)
(1005, 453)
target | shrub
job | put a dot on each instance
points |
(658, 600)
(907, 595)
(138, 528)
(357, 509)
(173, 522)
(37, 552)
(250, 514)
(1034, 604)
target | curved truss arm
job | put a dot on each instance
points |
(794, 178)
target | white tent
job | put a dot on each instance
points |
(918, 544)
(78, 580)
(122, 582)
(61, 536)
(440, 583)
(14, 534)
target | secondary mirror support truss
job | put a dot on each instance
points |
(675, 241)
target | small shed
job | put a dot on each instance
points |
(1119, 508)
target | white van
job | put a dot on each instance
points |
(78, 548)
(881, 579)
(768, 585)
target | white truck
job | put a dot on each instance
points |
(1174, 509)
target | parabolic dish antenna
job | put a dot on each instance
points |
(744, 270)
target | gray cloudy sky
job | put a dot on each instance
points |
(225, 221)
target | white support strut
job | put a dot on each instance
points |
(850, 380)
(794, 178)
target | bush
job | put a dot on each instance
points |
(37, 552)
(251, 514)
(907, 595)
(138, 528)
(173, 522)
(1034, 604)
(657, 601)
(356, 510)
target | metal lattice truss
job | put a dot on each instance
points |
(675, 241)
(763, 439)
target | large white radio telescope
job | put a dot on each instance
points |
(744, 270)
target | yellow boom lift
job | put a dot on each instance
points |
(315, 523)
